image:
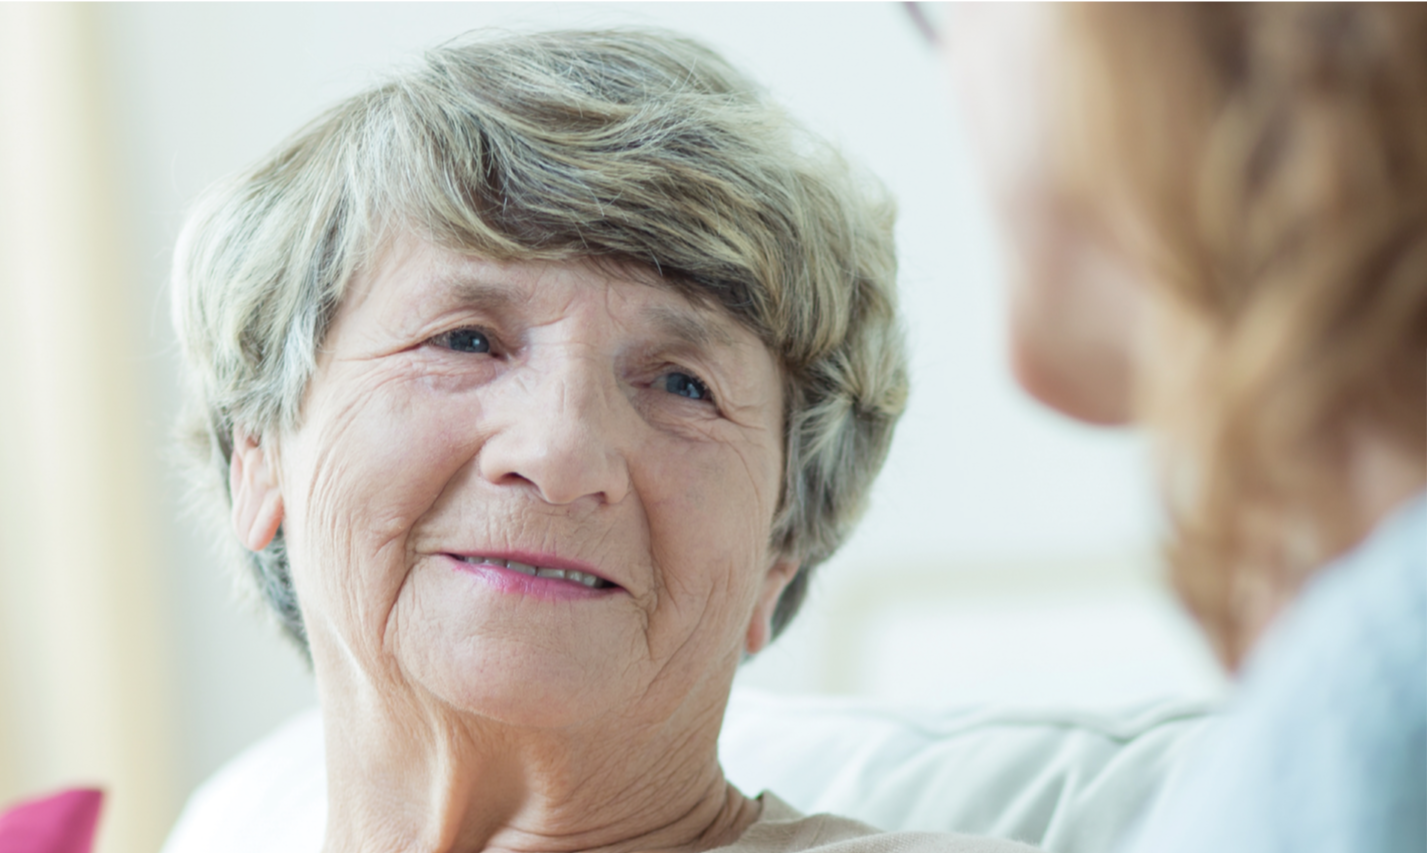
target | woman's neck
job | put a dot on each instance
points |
(1383, 475)
(412, 775)
(1379, 476)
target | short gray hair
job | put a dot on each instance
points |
(632, 146)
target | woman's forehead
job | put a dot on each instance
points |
(412, 274)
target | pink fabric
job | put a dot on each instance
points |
(60, 823)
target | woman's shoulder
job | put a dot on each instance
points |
(1343, 664)
(1325, 745)
(783, 829)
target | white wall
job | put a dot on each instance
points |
(1006, 553)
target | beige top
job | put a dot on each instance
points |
(782, 829)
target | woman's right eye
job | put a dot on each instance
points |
(466, 340)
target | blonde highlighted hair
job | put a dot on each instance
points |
(1271, 162)
(632, 147)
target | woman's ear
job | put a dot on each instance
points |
(253, 487)
(760, 626)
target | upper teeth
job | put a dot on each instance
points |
(585, 578)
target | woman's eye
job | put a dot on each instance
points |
(466, 340)
(684, 385)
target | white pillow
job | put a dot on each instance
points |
(1068, 781)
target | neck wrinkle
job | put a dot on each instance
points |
(421, 777)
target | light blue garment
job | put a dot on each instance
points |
(1324, 749)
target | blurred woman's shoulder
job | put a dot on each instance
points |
(1325, 748)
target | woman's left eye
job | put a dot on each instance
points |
(466, 340)
(685, 385)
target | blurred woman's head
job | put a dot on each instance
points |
(1266, 166)
(1259, 174)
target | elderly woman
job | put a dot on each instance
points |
(537, 381)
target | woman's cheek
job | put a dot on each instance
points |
(380, 457)
(727, 512)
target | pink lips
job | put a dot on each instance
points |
(549, 589)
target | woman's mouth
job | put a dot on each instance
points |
(579, 577)
(575, 576)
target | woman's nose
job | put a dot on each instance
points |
(562, 432)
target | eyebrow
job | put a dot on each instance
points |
(479, 294)
(693, 327)
(697, 329)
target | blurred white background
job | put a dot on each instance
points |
(1009, 555)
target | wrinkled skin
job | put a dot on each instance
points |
(466, 407)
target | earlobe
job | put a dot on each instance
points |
(760, 626)
(253, 487)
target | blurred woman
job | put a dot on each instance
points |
(1219, 216)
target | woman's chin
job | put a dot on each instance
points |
(520, 685)
(497, 651)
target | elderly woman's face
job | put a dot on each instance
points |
(533, 491)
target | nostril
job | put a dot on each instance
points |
(515, 479)
(561, 473)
